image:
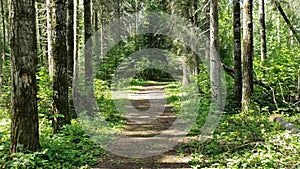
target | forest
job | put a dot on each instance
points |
(149, 84)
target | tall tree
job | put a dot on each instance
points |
(2, 52)
(286, 19)
(70, 39)
(263, 46)
(237, 52)
(3, 22)
(215, 62)
(60, 66)
(39, 9)
(75, 53)
(206, 26)
(24, 120)
(49, 36)
(247, 54)
(185, 73)
(195, 22)
(88, 52)
(70, 49)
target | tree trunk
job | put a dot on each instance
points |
(60, 67)
(297, 36)
(207, 32)
(101, 30)
(247, 54)
(88, 62)
(97, 41)
(237, 53)
(2, 52)
(38, 30)
(49, 36)
(75, 53)
(70, 49)
(3, 25)
(7, 18)
(215, 62)
(185, 76)
(263, 45)
(70, 39)
(24, 119)
(136, 27)
(88, 48)
(76, 31)
(195, 22)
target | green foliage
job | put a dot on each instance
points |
(280, 72)
(240, 141)
(71, 148)
(244, 141)
(6, 82)
(106, 104)
(44, 92)
(153, 74)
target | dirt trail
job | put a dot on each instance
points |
(139, 126)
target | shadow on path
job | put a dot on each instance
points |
(139, 126)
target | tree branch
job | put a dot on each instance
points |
(258, 82)
(287, 20)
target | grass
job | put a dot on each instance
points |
(240, 140)
(70, 148)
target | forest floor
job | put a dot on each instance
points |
(136, 128)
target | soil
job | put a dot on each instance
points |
(141, 128)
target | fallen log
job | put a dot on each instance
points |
(283, 123)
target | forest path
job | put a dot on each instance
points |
(145, 127)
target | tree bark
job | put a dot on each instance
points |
(88, 62)
(70, 39)
(247, 55)
(207, 32)
(101, 29)
(38, 30)
(297, 36)
(263, 41)
(88, 48)
(70, 49)
(75, 53)
(185, 76)
(215, 62)
(60, 67)
(49, 36)
(195, 22)
(3, 25)
(2, 52)
(237, 53)
(24, 119)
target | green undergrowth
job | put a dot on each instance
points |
(240, 140)
(107, 106)
(246, 141)
(70, 148)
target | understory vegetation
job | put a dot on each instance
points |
(241, 140)
(248, 135)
